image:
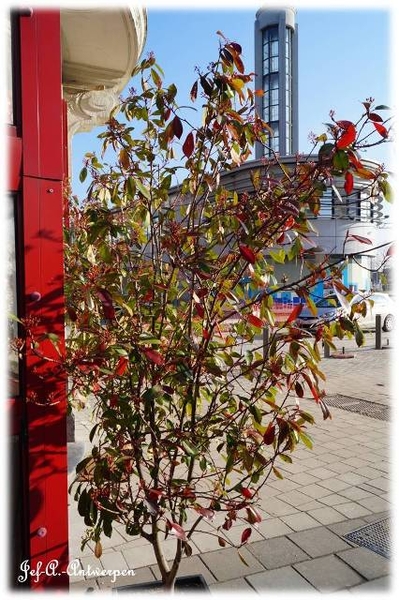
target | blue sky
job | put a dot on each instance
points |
(344, 57)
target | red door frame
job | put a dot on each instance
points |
(40, 235)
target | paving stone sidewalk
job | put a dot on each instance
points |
(339, 486)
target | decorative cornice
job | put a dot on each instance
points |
(89, 109)
(91, 86)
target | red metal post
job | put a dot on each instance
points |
(43, 171)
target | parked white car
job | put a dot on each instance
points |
(378, 303)
(330, 308)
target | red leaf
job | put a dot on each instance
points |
(206, 334)
(348, 186)
(107, 304)
(238, 63)
(177, 530)
(194, 91)
(235, 46)
(151, 506)
(268, 436)
(200, 310)
(247, 253)
(358, 238)
(148, 296)
(390, 251)
(381, 129)
(254, 320)
(246, 492)
(253, 515)
(226, 56)
(188, 145)
(121, 366)
(206, 85)
(280, 238)
(344, 124)
(177, 127)
(290, 222)
(315, 393)
(296, 311)
(72, 313)
(153, 355)
(375, 117)
(354, 160)
(208, 513)
(348, 137)
(227, 524)
(312, 388)
(155, 493)
(246, 534)
(86, 367)
(325, 410)
(299, 390)
(222, 542)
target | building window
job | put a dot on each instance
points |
(288, 89)
(271, 83)
(326, 204)
(274, 141)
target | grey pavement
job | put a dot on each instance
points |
(339, 486)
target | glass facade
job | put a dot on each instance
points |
(277, 87)
(270, 44)
(288, 91)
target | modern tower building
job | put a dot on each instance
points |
(276, 68)
(341, 215)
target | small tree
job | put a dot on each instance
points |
(193, 410)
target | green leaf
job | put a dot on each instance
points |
(341, 160)
(83, 174)
(306, 440)
(144, 190)
(359, 336)
(83, 503)
(382, 107)
(189, 448)
(53, 337)
(387, 190)
(156, 78)
(326, 151)
(278, 256)
(130, 186)
(286, 458)
(312, 306)
(93, 432)
(277, 473)
(91, 257)
(82, 464)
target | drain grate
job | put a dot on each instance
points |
(362, 407)
(375, 537)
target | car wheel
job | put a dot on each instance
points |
(389, 323)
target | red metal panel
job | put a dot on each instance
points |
(42, 198)
(47, 448)
(41, 88)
